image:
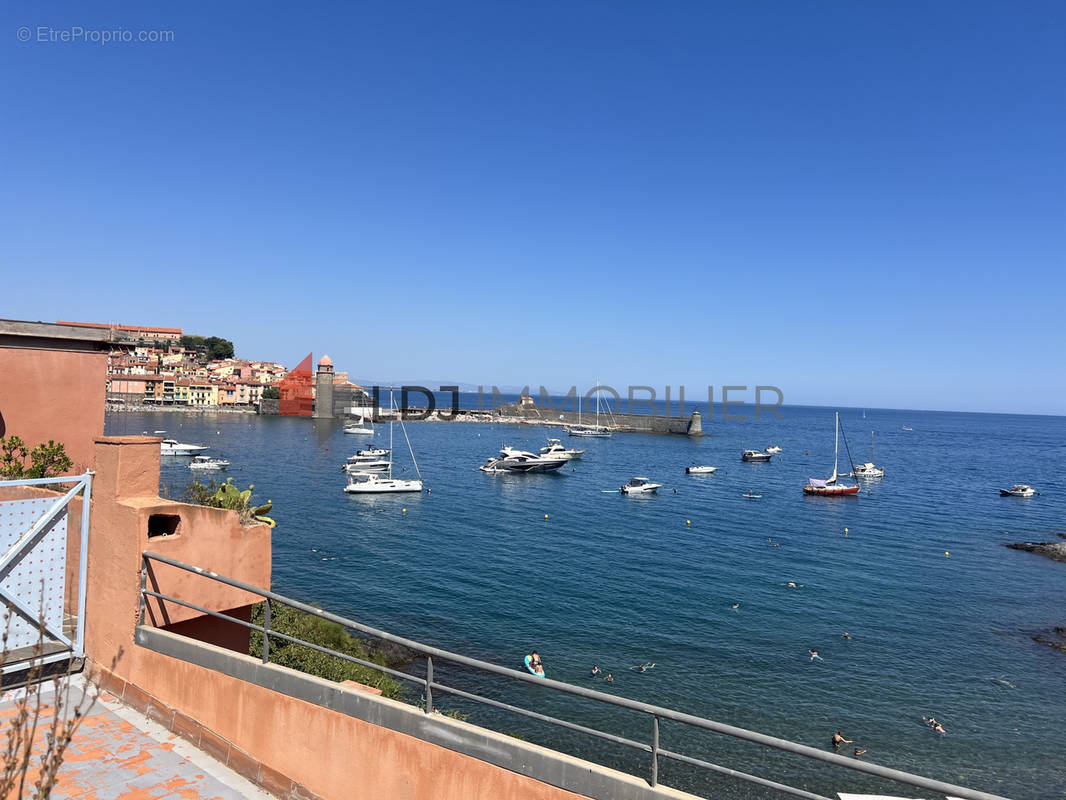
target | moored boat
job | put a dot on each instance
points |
(172, 447)
(380, 484)
(512, 460)
(869, 469)
(555, 449)
(208, 463)
(829, 487)
(773, 449)
(699, 469)
(640, 486)
(1018, 490)
(755, 456)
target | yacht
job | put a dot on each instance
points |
(365, 464)
(380, 484)
(373, 452)
(869, 469)
(555, 449)
(699, 469)
(772, 450)
(1018, 490)
(207, 462)
(172, 447)
(829, 487)
(640, 486)
(755, 455)
(511, 460)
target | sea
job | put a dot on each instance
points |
(725, 595)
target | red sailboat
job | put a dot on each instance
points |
(829, 487)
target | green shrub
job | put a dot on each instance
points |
(46, 460)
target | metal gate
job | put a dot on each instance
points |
(40, 627)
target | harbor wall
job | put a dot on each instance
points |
(636, 423)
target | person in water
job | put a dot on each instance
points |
(859, 751)
(534, 661)
(609, 678)
(643, 667)
(814, 655)
(847, 635)
(595, 670)
(838, 739)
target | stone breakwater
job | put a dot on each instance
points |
(1056, 551)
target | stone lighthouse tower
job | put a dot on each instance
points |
(324, 389)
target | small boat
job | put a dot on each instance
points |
(359, 428)
(750, 495)
(511, 460)
(772, 450)
(365, 466)
(755, 456)
(380, 484)
(829, 487)
(640, 486)
(207, 462)
(869, 469)
(1018, 490)
(373, 452)
(555, 449)
(529, 665)
(907, 428)
(699, 469)
(172, 447)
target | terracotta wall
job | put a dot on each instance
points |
(52, 394)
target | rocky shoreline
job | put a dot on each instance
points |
(1056, 551)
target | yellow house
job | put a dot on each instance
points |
(203, 394)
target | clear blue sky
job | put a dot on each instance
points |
(862, 203)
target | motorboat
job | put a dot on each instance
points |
(207, 462)
(380, 484)
(359, 428)
(363, 465)
(755, 456)
(555, 449)
(907, 428)
(172, 447)
(640, 486)
(511, 460)
(699, 469)
(772, 450)
(1018, 490)
(869, 469)
(373, 452)
(829, 487)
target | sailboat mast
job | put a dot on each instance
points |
(836, 448)
(392, 409)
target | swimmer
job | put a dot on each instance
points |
(609, 678)
(847, 635)
(938, 728)
(859, 751)
(643, 667)
(736, 606)
(838, 739)
(814, 655)
(791, 584)
(595, 670)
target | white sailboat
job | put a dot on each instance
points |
(374, 483)
(596, 432)
(829, 487)
(360, 428)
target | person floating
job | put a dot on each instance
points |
(609, 678)
(595, 670)
(814, 655)
(859, 751)
(791, 584)
(847, 635)
(643, 667)
(736, 606)
(838, 739)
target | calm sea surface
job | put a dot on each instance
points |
(474, 567)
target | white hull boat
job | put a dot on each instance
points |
(700, 469)
(378, 484)
(555, 449)
(869, 469)
(208, 463)
(773, 450)
(359, 428)
(172, 447)
(640, 486)
(366, 467)
(1018, 490)
(511, 460)
(754, 456)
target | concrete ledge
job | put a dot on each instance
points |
(539, 763)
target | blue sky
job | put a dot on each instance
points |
(861, 203)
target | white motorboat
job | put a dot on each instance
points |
(172, 447)
(772, 450)
(359, 428)
(207, 462)
(511, 460)
(555, 449)
(363, 467)
(1018, 490)
(755, 456)
(373, 452)
(700, 469)
(869, 469)
(640, 486)
(380, 484)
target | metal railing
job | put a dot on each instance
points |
(20, 552)
(653, 712)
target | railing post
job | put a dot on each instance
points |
(429, 684)
(655, 751)
(266, 632)
(144, 585)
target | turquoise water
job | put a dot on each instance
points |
(612, 580)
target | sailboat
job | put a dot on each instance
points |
(373, 483)
(586, 431)
(829, 487)
(359, 427)
(869, 469)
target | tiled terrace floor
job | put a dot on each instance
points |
(120, 754)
